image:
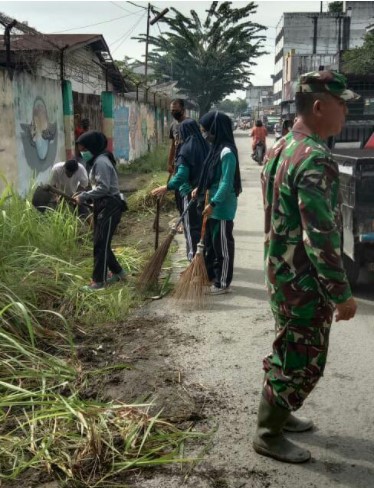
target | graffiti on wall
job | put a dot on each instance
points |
(39, 123)
(121, 136)
(138, 128)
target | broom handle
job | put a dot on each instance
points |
(160, 200)
(205, 218)
(157, 222)
(183, 215)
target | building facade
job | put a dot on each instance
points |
(306, 41)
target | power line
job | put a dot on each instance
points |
(119, 6)
(140, 6)
(98, 23)
(125, 34)
(128, 33)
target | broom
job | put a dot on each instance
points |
(193, 282)
(152, 269)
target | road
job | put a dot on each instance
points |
(232, 339)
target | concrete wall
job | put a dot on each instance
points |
(81, 67)
(137, 128)
(8, 147)
(35, 127)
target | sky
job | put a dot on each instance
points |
(118, 21)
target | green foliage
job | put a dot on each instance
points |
(126, 68)
(149, 163)
(233, 106)
(46, 258)
(46, 425)
(336, 7)
(360, 60)
(209, 58)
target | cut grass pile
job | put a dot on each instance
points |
(45, 425)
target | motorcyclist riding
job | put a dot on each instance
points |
(258, 135)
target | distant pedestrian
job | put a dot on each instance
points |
(305, 276)
(192, 152)
(107, 204)
(221, 178)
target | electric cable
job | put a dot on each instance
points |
(98, 23)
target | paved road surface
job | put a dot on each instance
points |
(233, 338)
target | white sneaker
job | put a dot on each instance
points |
(214, 290)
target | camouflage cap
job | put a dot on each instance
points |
(326, 82)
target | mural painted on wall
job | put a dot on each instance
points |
(39, 127)
(137, 128)
(39, 137)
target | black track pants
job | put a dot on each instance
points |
(219, 251)
(192, 227)
(107, 214)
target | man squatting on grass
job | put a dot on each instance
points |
(304, 270)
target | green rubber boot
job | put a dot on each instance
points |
(269, 439)
(298, 424)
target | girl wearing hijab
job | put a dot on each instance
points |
(221, 178)
(107, 204)
(192, 151)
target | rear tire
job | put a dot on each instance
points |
(352, 268)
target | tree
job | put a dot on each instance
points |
(360, 60)
(233, 106)
(126, 68)
(209, 59)
(336, 7)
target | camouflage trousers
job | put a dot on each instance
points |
(299, 356)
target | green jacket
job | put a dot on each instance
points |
(221, 192)
(180, 181)
(300, 184)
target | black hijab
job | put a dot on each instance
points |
(95, 142)
(219, 125)
(193, 149)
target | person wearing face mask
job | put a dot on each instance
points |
(177, 110)
(192, 152)
(221, 179)
(107, 203)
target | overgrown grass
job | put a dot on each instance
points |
(47, 427)
(44, 423)
(150, 162)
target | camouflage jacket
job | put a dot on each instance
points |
(300, 185)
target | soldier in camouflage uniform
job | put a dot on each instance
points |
(304, 271)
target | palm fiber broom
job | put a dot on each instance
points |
(152, 269)
(192, 286)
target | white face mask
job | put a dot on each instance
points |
(205, 135)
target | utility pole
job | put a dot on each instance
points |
(146, 44)
(149, 23)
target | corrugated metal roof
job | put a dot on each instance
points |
(50, 42)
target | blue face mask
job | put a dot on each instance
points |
(86, 155)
